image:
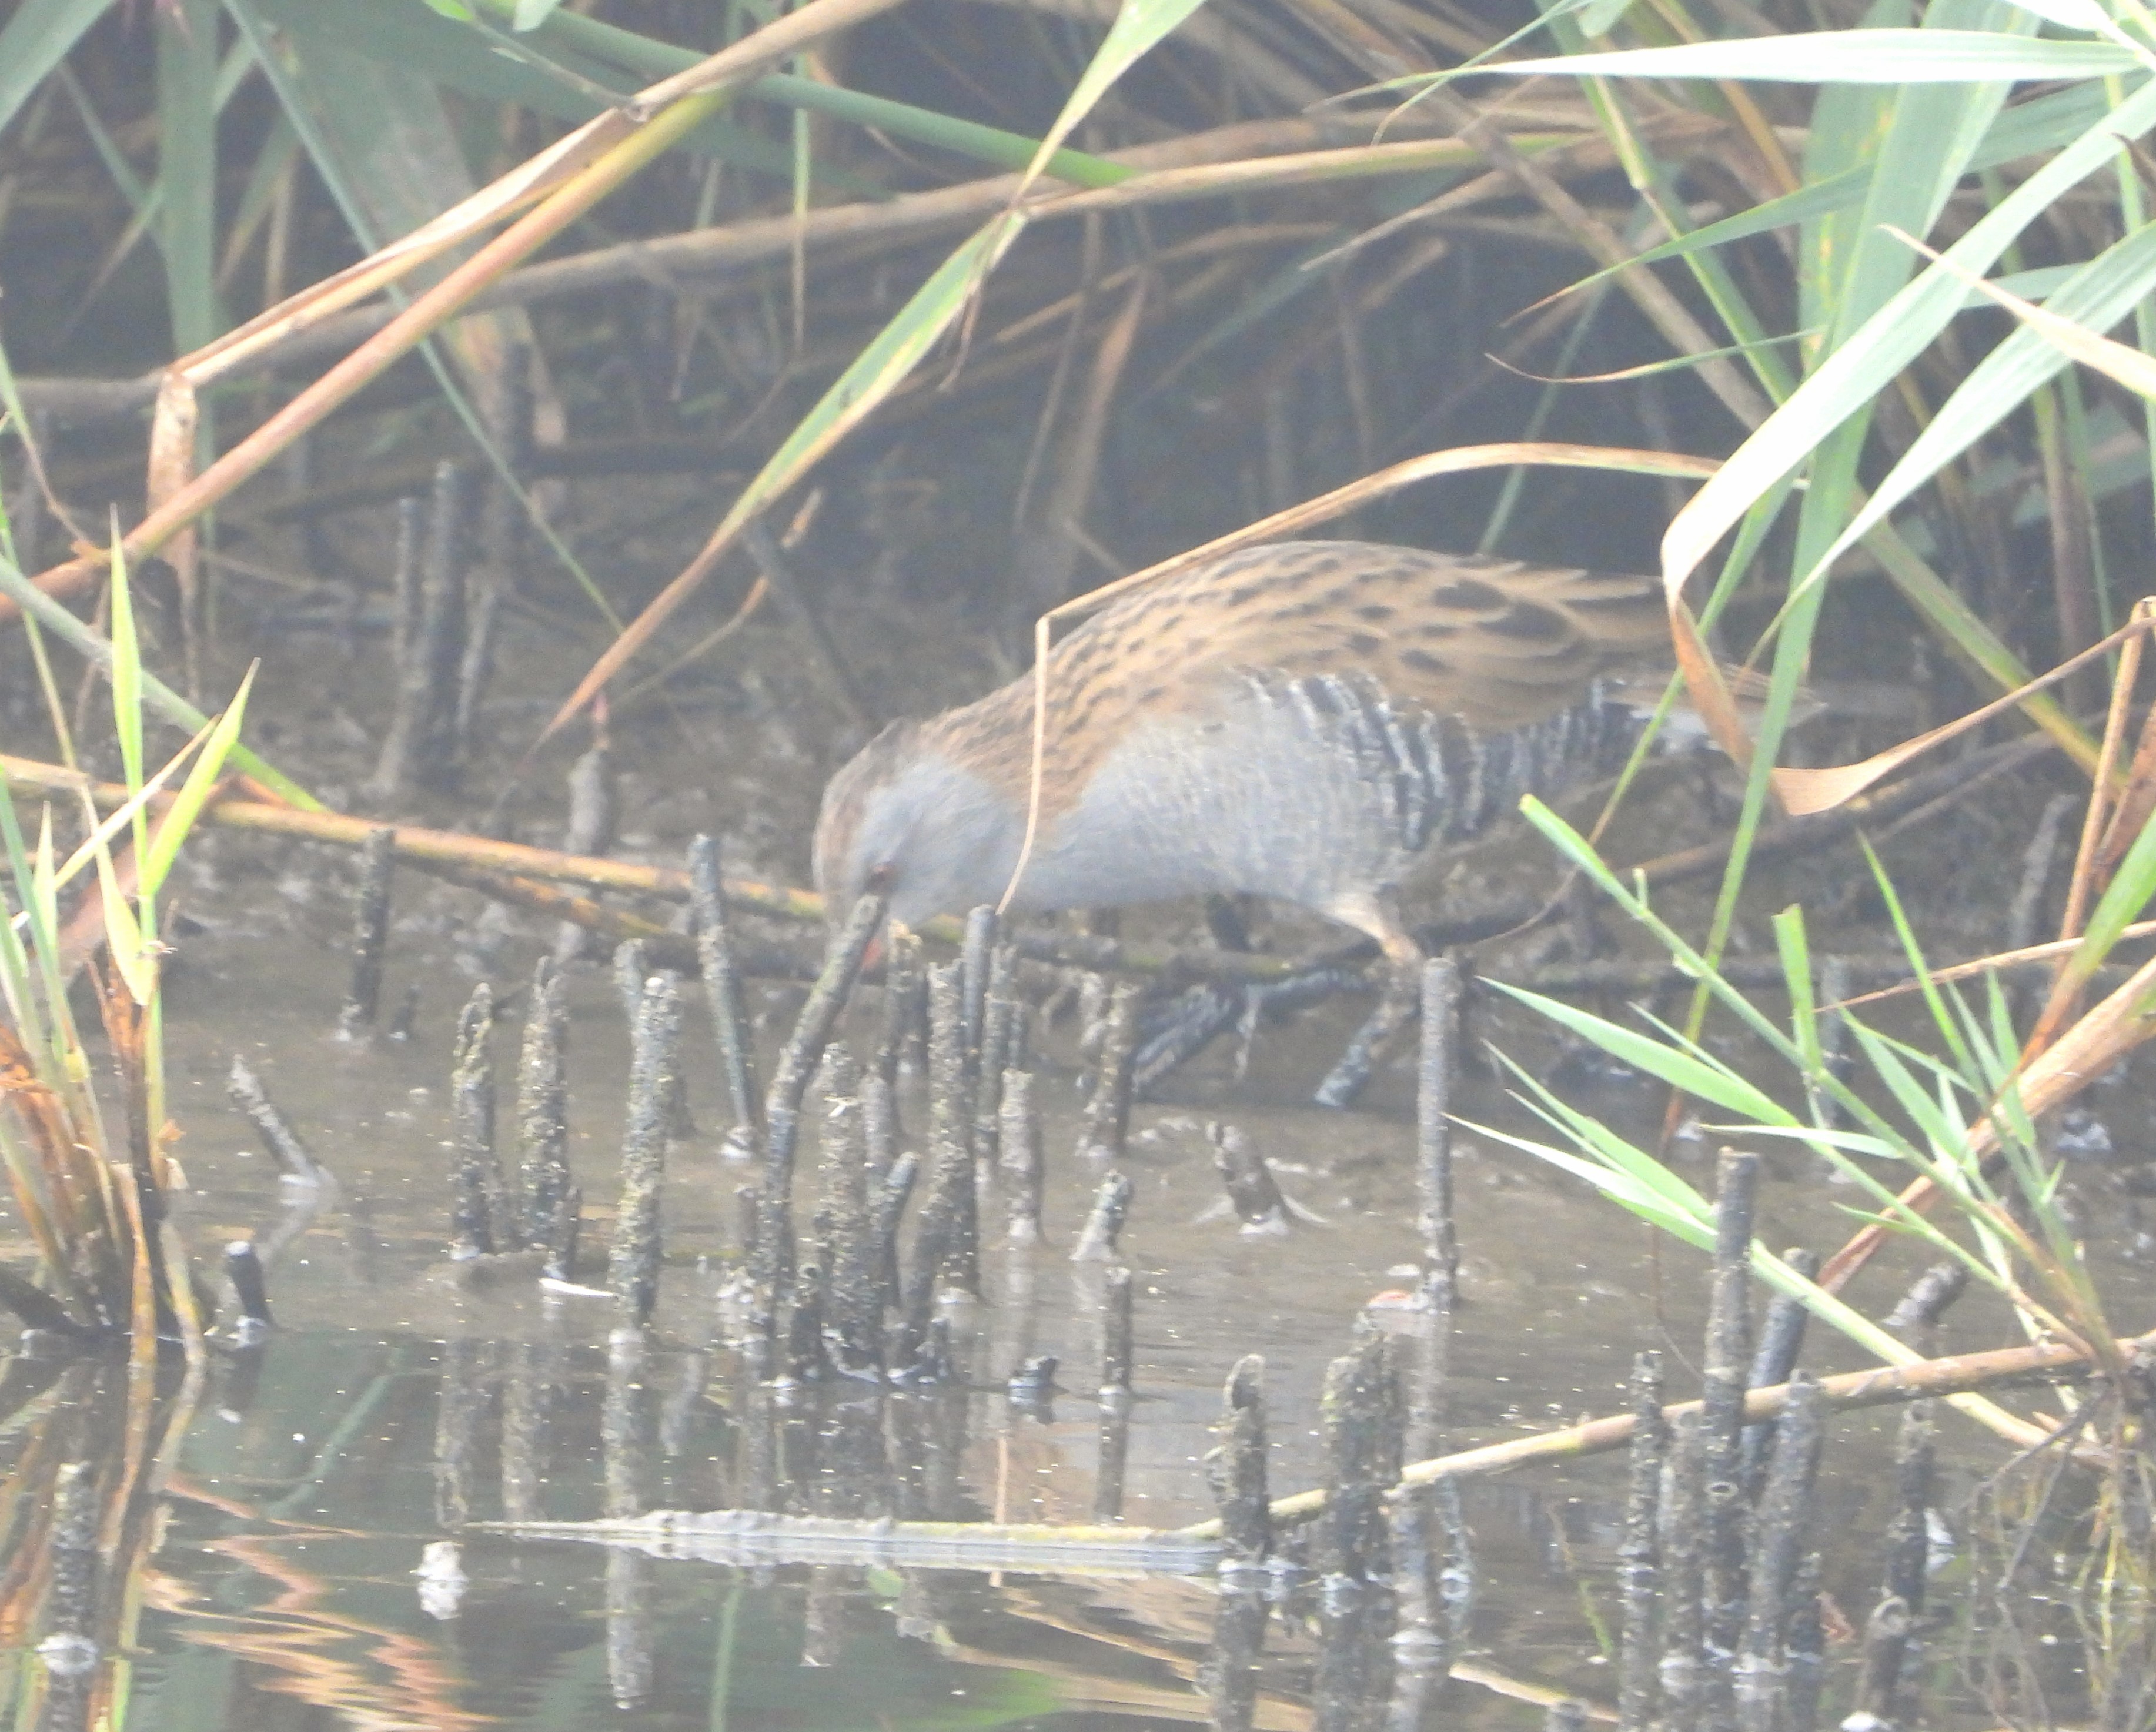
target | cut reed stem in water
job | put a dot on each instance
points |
(1440, 1039)
(1115, 1327)
(1639, 1552)
(852, 1257)
(1106, 1123)
(723, 988)
(544, 1179)
(1104, 1225)
(633, 1264)
(1236, 1466)
(294, 1160)
(951, 1197)
(1724, 1375)
(1018, 1158)
(362, 1000)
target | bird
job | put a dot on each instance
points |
(1319, 722)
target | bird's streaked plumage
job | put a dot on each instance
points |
(1312, 721)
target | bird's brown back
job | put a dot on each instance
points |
(1494, 644)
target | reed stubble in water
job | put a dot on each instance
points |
(853, 1254)
(480, 1223)
(973, 967)
(625, 1455)
(1253, 1193)
(999, 1017)
(423, 719)
(632, 968)
(1360, 1421)
(594, 812)
(1018, 1158)
(891, 1196)
(1229, 1674)
(1440, 1039)
(633, 1258)
(294, 1160)
(362, 999)
(1784, 1535)
(547, 1190)
(771, 1250)
(1236, 1466)
(1116, 1349)
(1683, 1540)
(1118, 1352)
(1105, 1125)
(1890, 1632)
(1639, 1553)
(722, 987)
(1724, 1376)
(953, 1201)
(1781, 1339)
(1104, 1224)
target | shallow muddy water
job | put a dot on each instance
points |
(294, 1585)
(310, 1563)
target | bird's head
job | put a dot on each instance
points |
(907, 820)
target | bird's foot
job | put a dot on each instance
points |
(1398, 1007)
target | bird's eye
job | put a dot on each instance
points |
(879, 877)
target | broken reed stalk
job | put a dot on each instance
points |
(1253, 1192)
(1879, 1386)
(1639, 1552)
(1918, 1310)
(404, 581)
(1113, 1459)
(1784, 1535)
(1116, 1348)
(1683, 1540)
(1724, 1374)
(1000, 1017)
(633, 1259)
(891, 1201)
(973, 965)
(813, 1029)
(426, 674)
(362, 1000)
(879, 1126)
(544, 1185)
(905, 1007)
(772, 1253)
(1359, 1417)
(953, 1199)
(853, 1255)
(1106, 1123)
(1439, 1038)
(632, 969)
(481, 1218)
(294, 1160)
(1781, 1339)
(722, 987)
(1236, 1466)
(1018, 1158)
(1104, 1226)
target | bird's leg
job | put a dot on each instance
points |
(1398, 1004)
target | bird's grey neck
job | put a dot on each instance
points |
(959, 837)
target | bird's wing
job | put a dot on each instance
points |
(1495, 644)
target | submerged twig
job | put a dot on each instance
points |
(294, 1160)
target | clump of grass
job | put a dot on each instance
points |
(1960, 1116)
(91, 1174)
